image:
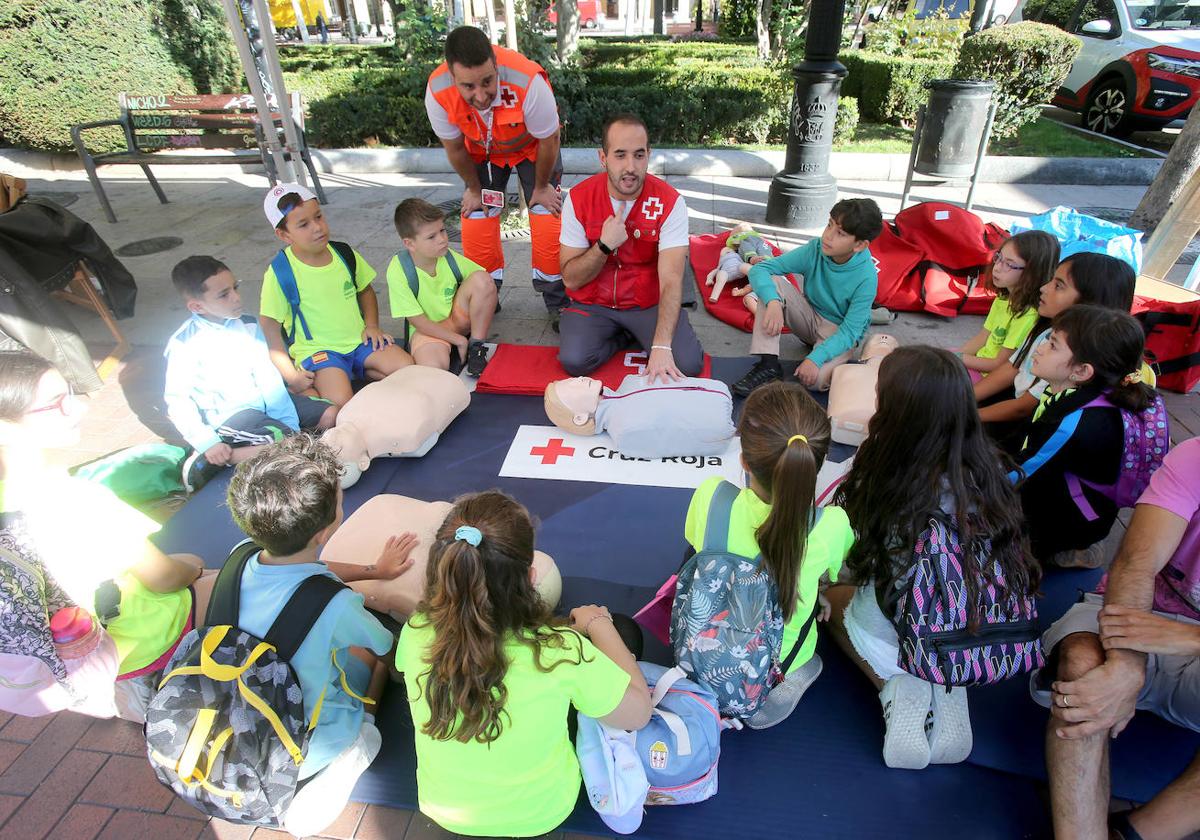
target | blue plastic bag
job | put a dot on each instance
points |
(1078, 233)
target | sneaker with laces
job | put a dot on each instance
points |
(784, 698)
(1092, 557)
(197, 471)
(477, 358)
(950, 738)
(906, 701)
(764, 371)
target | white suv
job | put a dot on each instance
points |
(1140, 63)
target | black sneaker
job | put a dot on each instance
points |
(476, 358)
(197, 472)
(554, 319)
(764, 371)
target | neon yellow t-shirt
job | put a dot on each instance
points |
(87, 536)
(525, 782)
(1006, 330)
(826, 550)
(328, 300)
(435, 295)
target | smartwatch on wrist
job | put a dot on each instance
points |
(604, 249)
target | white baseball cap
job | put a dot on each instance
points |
(271, 200)
(613, 774)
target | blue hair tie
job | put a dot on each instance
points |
(470, 535)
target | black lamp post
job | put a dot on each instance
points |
(803, 192)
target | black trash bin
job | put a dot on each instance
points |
(955, 119)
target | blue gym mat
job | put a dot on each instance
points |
(819, 774)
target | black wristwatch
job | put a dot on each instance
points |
(604, 249)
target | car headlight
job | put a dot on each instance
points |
(1174, 64)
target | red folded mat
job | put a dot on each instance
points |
(526, 369)
(704, 251)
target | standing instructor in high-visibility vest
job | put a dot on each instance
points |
(494, 111)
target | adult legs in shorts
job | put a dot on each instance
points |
(544, 233)
(590, 335)
(1079, 767)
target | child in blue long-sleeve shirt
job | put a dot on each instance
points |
(830, 310)
(222, 391)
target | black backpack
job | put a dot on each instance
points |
(226, 729)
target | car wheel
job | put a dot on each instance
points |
(1109, 109)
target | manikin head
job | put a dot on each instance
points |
(571, 404)
(878, 346)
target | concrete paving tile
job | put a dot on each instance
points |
(381, 823)
(117, 736)
(83, 822)
(24, 729)
(53, 797)
(179, 807)
(127, 781)
(9, 751)
(8, 804)
(420, 827)
(41, 757)
(344, 827)
(221, 830)
(130, 824)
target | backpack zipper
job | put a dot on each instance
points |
(945, 642)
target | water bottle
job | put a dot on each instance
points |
(75, 634)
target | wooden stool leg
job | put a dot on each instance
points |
(83, 293)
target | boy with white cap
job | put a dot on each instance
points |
(318, 311)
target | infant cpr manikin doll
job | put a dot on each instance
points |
(363, 535)
(852, 391)
(661, 420)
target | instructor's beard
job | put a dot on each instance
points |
(621, 188)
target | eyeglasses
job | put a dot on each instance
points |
(59, 404)
(1009, 264)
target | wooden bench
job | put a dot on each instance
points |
(155, 126)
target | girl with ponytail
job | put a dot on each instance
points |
(490, 675)
(785, 437)
(1092, 352)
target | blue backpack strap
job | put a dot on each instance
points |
(720, 509)
(286, 278)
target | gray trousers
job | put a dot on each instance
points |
(589, 335)
(805, 324)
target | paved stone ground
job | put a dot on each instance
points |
(68, 776)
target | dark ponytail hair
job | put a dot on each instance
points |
(20, 373)
(478, 599)
(1112, 343)
(786, 468)
(924, 441)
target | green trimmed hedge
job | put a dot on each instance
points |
(890, 89)
(63, 62)
(846, 123)
(1027, 61)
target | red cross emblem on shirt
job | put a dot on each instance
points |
(508, 97)
(652, 208)
(552, 451)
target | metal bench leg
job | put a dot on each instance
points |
(312, 170)
(90, 166)
(162, 197)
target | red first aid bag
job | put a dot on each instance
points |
(1172, 341)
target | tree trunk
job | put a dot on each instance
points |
(699, 16)
(1177, 169)
(658, 16)
(510, 25)
(568, 29)
(763, 30)
(489, 8)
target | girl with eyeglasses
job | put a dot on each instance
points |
(1020, 268)
(91, 547)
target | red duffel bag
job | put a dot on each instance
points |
(1172, 340)
(896, 261)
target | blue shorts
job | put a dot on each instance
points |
(349, 363)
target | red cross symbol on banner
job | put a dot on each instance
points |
(552, 451)
(652, 208)
(508, 97)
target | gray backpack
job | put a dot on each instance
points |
(227, 730)
(726, 621)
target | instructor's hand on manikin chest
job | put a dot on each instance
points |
(614, 233)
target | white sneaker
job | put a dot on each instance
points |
(950, 735)
(784, 698)
(322, 798)
(906, 702)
